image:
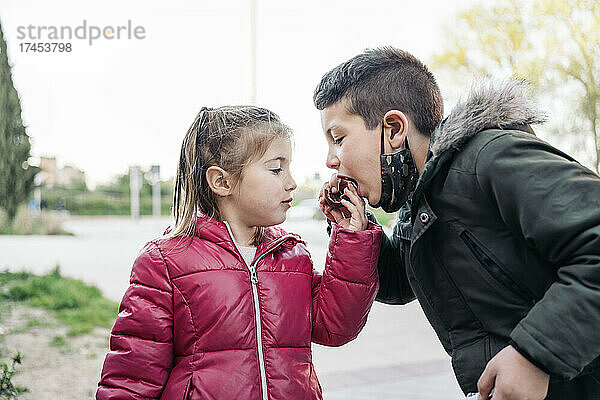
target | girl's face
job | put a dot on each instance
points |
(264, 193)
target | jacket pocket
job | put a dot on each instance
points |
(494, 268)
(468, 363)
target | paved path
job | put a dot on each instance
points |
(396, 356)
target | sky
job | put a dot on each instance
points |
(121, 102)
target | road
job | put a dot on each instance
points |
(396, 356)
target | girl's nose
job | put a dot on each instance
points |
(291, 184)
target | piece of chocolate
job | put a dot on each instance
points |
(334, 199)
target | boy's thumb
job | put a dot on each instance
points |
(486, 383)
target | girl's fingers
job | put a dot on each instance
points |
(330, 213)
(357, 221)
(324, 187)
(348, 215)
(337, 215)
(353, 196)
(333, 183)
(329, 216)
(357, 209)
(327, 212)
(322, 205)
(357, 201)
(345, 213)
(350, 206)
(354, 211)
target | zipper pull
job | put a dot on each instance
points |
(253, 276)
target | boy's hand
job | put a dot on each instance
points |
(512, 377)
(352, 216)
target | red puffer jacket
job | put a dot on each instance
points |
(198, 323)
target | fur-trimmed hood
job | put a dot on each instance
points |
(489, 105)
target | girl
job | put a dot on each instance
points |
(225, 305)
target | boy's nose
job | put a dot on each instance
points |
(332, 161)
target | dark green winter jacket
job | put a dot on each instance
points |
(501, 244)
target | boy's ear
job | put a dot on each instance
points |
(396, 128)
(219, 181)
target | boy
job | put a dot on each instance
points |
(498, 233)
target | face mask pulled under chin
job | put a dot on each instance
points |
(399, 177)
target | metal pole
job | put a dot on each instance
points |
(155, 171)
(135, 184)
(253, 69)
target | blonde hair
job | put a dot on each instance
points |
(229, 137)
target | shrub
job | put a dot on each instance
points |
(46, 223)
(23, 223)
(4, 222)
(8, 390)
(51, 223)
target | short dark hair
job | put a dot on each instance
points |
(383, 79)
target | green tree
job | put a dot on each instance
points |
(16, 176)
(554, 44)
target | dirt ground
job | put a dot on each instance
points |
(55, 366)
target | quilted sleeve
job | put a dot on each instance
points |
(141, 342)
(343, 295)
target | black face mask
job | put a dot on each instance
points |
(399, 177)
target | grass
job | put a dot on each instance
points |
(382, 217)
(79, 306)
(32, 322)
(58, 341)
(37, 229)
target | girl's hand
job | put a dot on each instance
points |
(331, 185)
(352, 215)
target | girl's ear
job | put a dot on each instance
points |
(219, 181)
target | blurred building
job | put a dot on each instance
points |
(50, 175)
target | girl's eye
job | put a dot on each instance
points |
(276, 171)
(338, 141)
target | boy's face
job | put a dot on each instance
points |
(354, 150)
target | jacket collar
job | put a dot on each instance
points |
(489, 105)
(503, 105)
(215, 231)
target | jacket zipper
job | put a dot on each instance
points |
(494, 268)
(254, 281)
